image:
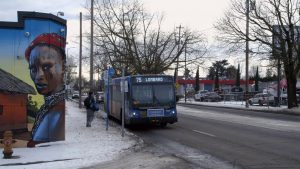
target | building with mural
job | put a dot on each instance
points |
(32, 55)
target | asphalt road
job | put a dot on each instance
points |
(207, 137)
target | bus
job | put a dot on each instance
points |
(147, 99)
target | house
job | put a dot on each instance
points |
(206, 84)
(13, 102)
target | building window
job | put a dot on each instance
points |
(1, 110)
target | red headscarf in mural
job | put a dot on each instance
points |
(52, 39)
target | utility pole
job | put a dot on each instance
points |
(178, 49)
(247, 52)
(278, 82)
(185, 73)
(92, 48)
(80, 58)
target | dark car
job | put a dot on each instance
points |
(298, 97)
(212, 97)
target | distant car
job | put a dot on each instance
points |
(100, 97)
(75, 95)
(199, 96)
(284, 97)
(212, 97)
(262, 98)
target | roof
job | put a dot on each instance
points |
(10, 83)
(22, 15)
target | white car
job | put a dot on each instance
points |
(284, 97)
(100, 97)
(75, 95)
(199, 96)
(262, 98)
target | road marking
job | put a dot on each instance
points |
(201, 132)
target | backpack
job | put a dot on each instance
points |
(89, 104)
(95, 106)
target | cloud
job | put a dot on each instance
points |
(71, 8)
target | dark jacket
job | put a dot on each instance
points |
(88, 102)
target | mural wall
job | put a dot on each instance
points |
(32, 54)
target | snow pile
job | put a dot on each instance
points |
(83, 146)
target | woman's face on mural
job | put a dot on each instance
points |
(46, 69)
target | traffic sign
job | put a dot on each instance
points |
(111, 72)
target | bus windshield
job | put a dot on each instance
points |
(152, 95)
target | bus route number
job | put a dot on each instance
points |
(139, 80)
(149, 79)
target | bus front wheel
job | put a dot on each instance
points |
(163, 124)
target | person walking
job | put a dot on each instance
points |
(88, 103)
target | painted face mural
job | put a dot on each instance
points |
(46, 60)
(46, 69)
(32, 67)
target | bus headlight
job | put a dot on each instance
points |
(133, 114)
(173, 112)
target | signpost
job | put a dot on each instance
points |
(123, 99)
(107, 77)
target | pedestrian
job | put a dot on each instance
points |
(46, 58)
(89, 103)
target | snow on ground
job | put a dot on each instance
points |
(83, 146)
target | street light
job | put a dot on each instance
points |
(92, 48)
(68, 70)
(60, 13)
(178, 48)
(68, 51)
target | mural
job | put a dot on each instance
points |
(32, 51)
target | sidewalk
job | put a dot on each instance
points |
(241, 105)
(83, 146)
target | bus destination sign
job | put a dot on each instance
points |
(152, 79)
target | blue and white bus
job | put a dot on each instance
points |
(149, 99)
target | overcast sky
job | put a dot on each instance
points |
(199, 15)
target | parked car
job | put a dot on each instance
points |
(262, 98)
(284, 97)
(75, 95)
(199, 96)
(212, 97)
(100, 97)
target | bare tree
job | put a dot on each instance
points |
(70, 70)
(126, 36)
(270, 21)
